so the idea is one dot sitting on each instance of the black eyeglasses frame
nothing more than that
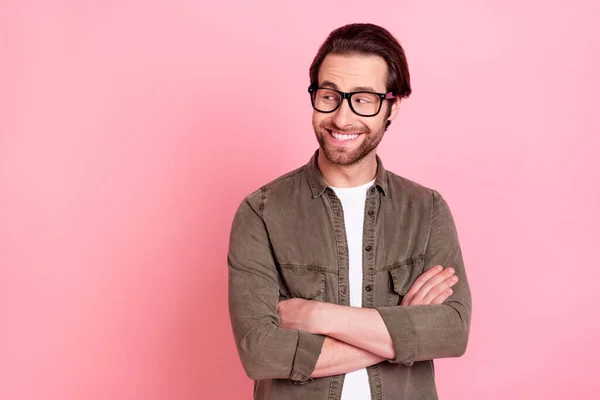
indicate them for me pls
(312, 89)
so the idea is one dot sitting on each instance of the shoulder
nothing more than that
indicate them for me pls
(406, 192)
(401, 186)
(284, 185)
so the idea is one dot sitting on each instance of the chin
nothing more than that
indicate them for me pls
(341, 157)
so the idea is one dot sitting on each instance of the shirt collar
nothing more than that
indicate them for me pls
(318, 185)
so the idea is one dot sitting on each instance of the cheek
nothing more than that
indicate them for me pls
(382, 122)
(317, 119)
(373, 124)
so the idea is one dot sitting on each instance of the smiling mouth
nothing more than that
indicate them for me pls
(343, 136)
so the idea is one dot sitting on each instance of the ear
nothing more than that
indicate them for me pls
(394, 110)
(395, 107)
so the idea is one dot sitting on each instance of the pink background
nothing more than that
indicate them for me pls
(130, 131)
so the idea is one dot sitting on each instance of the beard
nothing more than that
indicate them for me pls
(370, 139)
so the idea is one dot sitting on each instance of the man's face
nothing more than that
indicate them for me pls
(345, 137)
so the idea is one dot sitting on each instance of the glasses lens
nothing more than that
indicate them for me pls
(326, 100)
(365, 103)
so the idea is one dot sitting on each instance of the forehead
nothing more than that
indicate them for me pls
(348, 72)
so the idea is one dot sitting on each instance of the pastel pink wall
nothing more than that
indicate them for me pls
(131, 130)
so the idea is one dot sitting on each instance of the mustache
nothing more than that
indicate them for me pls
(346, 131)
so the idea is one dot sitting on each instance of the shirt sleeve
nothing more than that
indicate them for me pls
(426, 332)
(266, 350)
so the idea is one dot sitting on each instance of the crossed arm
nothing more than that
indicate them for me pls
(298, 339)
(358, 337)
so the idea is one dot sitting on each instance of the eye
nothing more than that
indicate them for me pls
(364, 100)
(328, 95)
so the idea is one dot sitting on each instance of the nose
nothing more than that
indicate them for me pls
(343, 116)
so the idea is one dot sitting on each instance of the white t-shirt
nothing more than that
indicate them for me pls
(356, 384)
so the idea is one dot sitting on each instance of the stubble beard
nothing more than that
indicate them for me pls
(345, 157)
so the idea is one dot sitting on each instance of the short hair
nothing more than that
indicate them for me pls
(367, 39)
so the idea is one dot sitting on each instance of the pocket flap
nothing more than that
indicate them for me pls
(304, 281)
(405, 273)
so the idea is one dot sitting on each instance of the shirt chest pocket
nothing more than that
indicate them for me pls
(302, 281)
(402, 275)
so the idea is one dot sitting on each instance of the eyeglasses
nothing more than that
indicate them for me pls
(365, 104)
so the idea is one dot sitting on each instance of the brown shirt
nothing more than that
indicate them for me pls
(288, 240)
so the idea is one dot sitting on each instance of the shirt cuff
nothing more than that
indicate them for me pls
(403, 333)
(307, 353)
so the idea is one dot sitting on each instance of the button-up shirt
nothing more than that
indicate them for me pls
(288, 240)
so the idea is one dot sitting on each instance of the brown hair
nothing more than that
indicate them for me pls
(368, 39)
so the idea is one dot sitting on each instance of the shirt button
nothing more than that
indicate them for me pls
(369, 288)
(373, 190)
(371, 212)
(368, 248)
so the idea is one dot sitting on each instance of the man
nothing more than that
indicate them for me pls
(346, 280)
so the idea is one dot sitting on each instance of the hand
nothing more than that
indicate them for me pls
(432, 287)
(299, 314)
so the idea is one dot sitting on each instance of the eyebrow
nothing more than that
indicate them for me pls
(332, 85)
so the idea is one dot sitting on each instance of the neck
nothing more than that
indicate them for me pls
(347, 176)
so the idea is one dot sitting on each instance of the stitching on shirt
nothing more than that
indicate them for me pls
(335, 386)
(404, 263)
(264, 188)
(290, 174)
(261, 206)
(311, 182)
(433, 192)
(311, 267)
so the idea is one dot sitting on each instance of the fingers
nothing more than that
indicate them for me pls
(418, 284)
(439, 289)
(442, 297)
(432, 283)
(431, 286)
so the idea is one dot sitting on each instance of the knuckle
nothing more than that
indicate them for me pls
(428, 287)
(453, 280)
(439, 289)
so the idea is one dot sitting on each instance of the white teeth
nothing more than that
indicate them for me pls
(340, 136)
